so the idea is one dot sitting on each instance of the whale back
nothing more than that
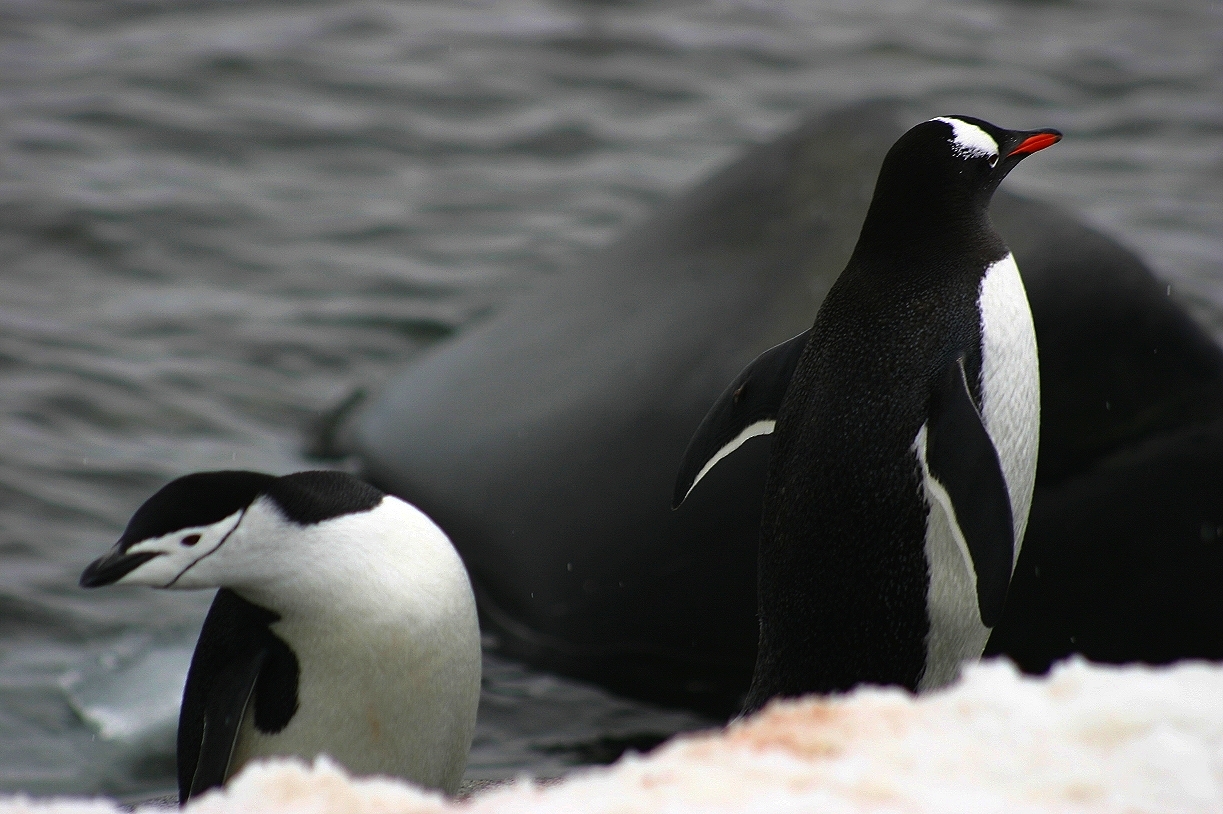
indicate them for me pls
(546, 438)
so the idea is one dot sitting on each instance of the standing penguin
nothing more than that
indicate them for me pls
(906, 423)
(345, 625)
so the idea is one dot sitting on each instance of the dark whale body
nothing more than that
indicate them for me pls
(546, 439)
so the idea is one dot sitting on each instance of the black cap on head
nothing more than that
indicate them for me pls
(193, 500)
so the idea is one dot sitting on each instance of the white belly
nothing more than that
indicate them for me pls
(387, 644)
(1010, 396)
(377, 705)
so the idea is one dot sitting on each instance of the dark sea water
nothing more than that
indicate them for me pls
(219, 218)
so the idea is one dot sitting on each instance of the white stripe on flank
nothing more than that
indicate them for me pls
(750, 431)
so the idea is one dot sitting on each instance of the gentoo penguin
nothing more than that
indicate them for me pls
(344, 624)
(559, 501)
(905, 423)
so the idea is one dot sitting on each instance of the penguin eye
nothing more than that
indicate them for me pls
(190, 539)
(993, 160)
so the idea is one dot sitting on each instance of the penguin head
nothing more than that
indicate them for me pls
(981, 154)
(946, 170)
(220, 529)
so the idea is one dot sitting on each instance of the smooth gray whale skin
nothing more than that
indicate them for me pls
(546, 439)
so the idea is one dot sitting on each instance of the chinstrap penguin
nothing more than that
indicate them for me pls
(905, 425)
(344, 625)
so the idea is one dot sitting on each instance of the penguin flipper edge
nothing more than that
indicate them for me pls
(961, 457)
(223, 713)
(747, 408)
(228, 659)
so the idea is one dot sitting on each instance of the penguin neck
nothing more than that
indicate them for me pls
(904, 224)
(387, 565)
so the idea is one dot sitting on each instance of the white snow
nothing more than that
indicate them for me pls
(1086, 739)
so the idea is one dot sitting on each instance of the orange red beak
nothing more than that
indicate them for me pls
(1037, 142)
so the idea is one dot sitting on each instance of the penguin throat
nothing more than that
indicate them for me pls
(921, 224)
(926, 240)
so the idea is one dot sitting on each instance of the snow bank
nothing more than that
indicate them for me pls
(1086, 739)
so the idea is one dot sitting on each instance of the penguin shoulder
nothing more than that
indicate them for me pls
(389, 564)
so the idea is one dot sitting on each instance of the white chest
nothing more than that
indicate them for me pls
(379, 613)
(378, 702)
(1010, 383)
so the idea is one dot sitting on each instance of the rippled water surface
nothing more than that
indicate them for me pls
(219, 219)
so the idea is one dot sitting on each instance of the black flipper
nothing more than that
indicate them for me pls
(748, 407)
(962, 458)
(223, 711)
(237, 656)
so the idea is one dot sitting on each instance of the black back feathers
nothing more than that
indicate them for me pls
(306, 498)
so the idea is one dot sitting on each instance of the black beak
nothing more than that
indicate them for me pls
(112, 567)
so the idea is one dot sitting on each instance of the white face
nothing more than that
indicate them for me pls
(179, 552)
(252, 549)
(970, 141)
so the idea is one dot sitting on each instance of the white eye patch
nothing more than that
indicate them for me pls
(968, 140)
(180, 550)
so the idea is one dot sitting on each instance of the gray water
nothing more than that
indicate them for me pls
(218, 219)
